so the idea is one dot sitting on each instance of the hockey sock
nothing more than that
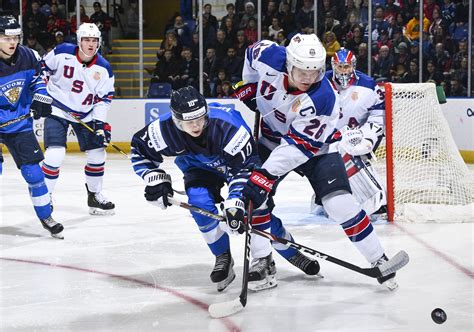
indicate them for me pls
(51, 175)
(362, 234)
(94, 176)
(53, 158)
(38, 190)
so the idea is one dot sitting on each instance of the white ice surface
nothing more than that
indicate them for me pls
(145, 269)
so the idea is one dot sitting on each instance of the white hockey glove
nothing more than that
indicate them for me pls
(357, 142)
(158, 188)
(234, 210)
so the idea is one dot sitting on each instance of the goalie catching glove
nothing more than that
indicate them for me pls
(234, 210)
(41, 106)
(258, 186)
(358, 142)
(158, 188)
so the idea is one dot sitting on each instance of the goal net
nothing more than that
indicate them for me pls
(427, 179)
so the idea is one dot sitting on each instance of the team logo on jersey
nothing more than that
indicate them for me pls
(355, 95)
(12, 90)
(296, 105)
(312, 52)
(96, 76)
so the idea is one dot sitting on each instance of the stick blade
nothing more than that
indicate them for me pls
(224, 309)
(395, 263)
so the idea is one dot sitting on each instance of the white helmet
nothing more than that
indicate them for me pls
(306, 52)
(88, 30)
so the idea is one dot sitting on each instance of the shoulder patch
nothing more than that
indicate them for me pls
(237, 142)
(156, 139)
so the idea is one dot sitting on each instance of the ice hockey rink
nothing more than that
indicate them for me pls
(145, 269)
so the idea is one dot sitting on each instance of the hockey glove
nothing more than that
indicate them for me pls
(258, 186)
(103, 132)
(354, 143)
(158, 188)
(246, 93)
(234, 209)
(41, 106)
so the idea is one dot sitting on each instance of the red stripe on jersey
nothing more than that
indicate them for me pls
(259, 220)
(359, 227)
(351, 171)
(94, 169)
(346, 157)
(305, 144)
(49, 171)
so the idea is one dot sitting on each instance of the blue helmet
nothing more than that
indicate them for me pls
(187, 104)
(9, 26)
(343, 65)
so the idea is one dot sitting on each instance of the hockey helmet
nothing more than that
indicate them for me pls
(9, 26)
(187, 104)
(88, 30)
(343, 65)
(306, 52)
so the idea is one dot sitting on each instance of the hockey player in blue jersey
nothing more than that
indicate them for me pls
(22, 90)
(363, 109)
(300, 111)
(213, 146)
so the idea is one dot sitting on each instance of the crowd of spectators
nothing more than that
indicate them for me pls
(341, 23)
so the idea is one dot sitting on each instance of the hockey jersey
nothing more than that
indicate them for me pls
(19, 81)
(229, 151)
(84, 90)
(361, 102)
(295, 125)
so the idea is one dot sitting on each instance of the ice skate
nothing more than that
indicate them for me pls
(305, 264)
(53, 227)
(223, 272)
(98, 204)
(389, 280)
(262, 274)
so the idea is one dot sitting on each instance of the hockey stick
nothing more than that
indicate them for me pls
(93, 131)
(392, 265)
(18, 119)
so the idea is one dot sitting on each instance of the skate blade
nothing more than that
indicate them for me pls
(58, 236)
(100, 212)
(221, 285)
(259, 285)
(391, 284)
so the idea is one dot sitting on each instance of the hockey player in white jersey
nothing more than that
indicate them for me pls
(81, 84)
(300, 111)
(362, 108)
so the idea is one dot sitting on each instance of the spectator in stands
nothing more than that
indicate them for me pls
(103, 22)
(226, 90)
(364, 12)
(411, 76)
(287, 18)
(251, 31)
(189, 71)
(221, 78)
(35, 13)
(222, 44)
(331, 45)
(209, 34)
(208, 15)
(383, 64)
(378, 23)
(457, 90)
(332, 25)
(441, 59)
(441, 36)
(347, 28)
(412, 31)
(401, 61)
(398, 38)
(436, 21)
(459, 30)
(414, 50)
(355, 39)
(195, 45)
(461, 72)
(84, 19)
(131, 29)
(182, 31)
(31, 27)
(211, 65)
(305, 18)
(249, 13)
(448, 11)
(241, 44)
(59, 37)
(55, 24)
(232, 15)
(32, 43)
(230, 31)
(363, 58)
(431, 73)
(233, 65)
(391, 10)
(428, 7)
(172, 44)
(384, 40)
(167, 70)
(270, 13)
(460, 54)
(281, 38)
(352, 9)
(274, 29)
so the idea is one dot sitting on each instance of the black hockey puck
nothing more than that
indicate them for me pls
(439, 316)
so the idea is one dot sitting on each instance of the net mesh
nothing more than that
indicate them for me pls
(430, 176)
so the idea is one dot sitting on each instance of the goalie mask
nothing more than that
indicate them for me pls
(189, 110)
(88, 30)
(343, 65)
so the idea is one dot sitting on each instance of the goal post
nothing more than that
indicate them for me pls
(427, 179)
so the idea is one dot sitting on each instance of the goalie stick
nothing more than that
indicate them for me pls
(392, 265)
(18, 119)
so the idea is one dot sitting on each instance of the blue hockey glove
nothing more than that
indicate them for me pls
(41, 106)
(258, 186)
(158, 188)
(103, 132)
(234, 209)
